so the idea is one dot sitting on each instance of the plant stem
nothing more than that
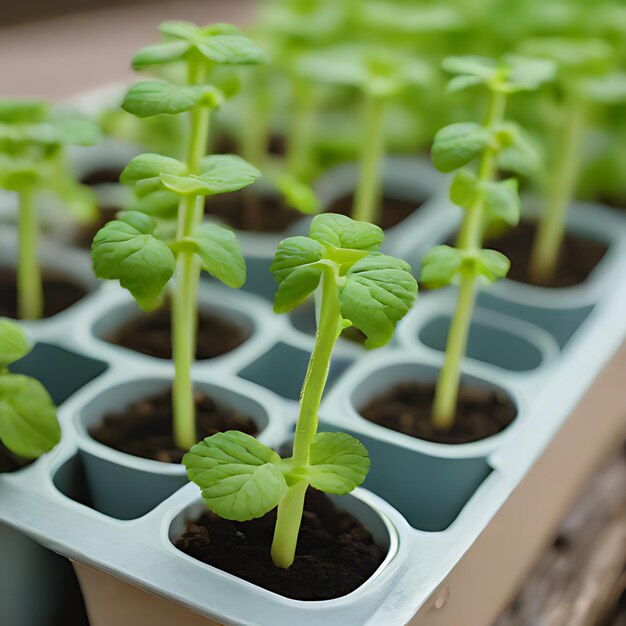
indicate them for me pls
(469, 240)
(300, 130)
(366, 207)
(551, 228)
(185, 297)
(291, 507)
(29, 283)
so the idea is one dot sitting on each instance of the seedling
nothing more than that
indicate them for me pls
(131, 249)
(32, 160)
(379, 75)
(28, 419)
(242, 479)
(494, 143)
(584, 80)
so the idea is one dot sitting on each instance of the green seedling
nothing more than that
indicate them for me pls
(32, 160)
(28, 419)
(142, 257)
(584, 80)
(495, 142)
(241, 478)
(379, 75)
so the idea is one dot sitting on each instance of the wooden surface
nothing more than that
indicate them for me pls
(59, 57)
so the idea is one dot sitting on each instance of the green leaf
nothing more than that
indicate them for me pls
(151, 166)
(458, 144)
(220, 173)
(492, 265)
(460, 83)
(14, 343)
(180, 29)
(502, 200)
(295, 252)
(28, 422)
(573, 56)
(158, 204)
(608, 90)
(338, 231)
(297, 195)
(74, 131)
(464, 189)
(440, 266)
(126, 250)
(520, 155)
(239, 476)
(471, 65)
(232, 50)
(379, 291)
(526, 73)
(338, 463)
(155, 98)
(296, 288)
(220, 253)
(160, 53)
(18, 111)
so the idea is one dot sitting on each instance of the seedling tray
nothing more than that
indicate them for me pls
(460, 523)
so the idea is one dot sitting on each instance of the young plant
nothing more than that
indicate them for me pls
(28, 420)
(242, 479)
(379, 75)
(132, 249)
(584, 80)
(32, 160)
(483, 198)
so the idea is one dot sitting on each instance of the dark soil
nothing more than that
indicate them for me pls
(335, 553)
(407, 408)
(394, 210)
(151, 334)
(102, 176)
(249, 211)
(59, 293)
(9, 462)
(577, 258)
(144, 429)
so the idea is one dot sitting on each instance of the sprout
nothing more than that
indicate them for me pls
(483, 198)
(240, 477)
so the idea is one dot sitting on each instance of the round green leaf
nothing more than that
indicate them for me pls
(14, 343)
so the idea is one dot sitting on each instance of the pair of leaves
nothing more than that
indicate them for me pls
(375, 290)
(511, 74)
(456, 145)
(127, 250)
(217, 43)
(377, 72)
(443, 264)
(150, 98)
(243, 479)
(218, 173)
(28, 422)
(500, 198)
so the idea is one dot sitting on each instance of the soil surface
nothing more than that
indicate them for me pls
(59, 293)
(336, 554)
(249, 211)
(577, 258)
(144, 429)
(394, 210)
(9, 462)
(407, 408)
(151, 334)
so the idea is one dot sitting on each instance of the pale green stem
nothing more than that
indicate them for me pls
(301, 130)
(291, 507)
(185, 297)
(551, 228)
(366, 207)
(469, 240)
(29, 283)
